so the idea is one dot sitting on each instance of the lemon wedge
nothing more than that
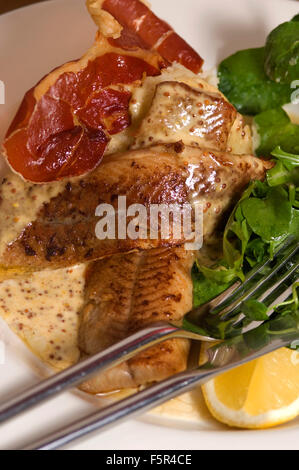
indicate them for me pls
(258, 395)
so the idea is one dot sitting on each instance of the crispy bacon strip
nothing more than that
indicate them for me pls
(140, 22)
(64, 124)
(65, 132)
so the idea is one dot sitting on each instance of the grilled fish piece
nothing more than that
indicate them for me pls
(63, 232)
(179, 105)
(180, 112)
(125, 293)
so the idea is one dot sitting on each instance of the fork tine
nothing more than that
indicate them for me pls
(273, 289)
(274, 296)
(225, 299)
(232, 307)
(238, 288)
(279, 300)
(209, 321)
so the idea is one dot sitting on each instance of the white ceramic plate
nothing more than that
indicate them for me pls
(33, 41)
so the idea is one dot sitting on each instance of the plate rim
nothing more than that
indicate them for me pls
(49, 4)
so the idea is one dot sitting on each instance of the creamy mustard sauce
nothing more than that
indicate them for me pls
(198, 194)
(43, 311)
(20, 204)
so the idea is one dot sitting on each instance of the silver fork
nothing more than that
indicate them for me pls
(286, 259)
(221, 358)
(265, 282)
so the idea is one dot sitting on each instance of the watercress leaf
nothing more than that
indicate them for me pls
(256, 251)
(294, 226)
(237, 228)
(239, 214)
(205, 289)
(276, 129)
(293, 193)
(278, 175)
(260, 189)
(289, 160)
(294, 177)
(233, 255)
(282, 324)
(274, 244)
(242, 79)
(190, 326)
(282, 53)
(219, 275)
(258, 337)
(269, 218)
(232, 250)
(255, 310)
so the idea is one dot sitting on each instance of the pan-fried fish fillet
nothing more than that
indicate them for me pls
(63, 233)
(180, 112)
(179, 105)
(125, 293)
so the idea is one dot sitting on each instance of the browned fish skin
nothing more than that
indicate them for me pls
(125, 293)
(64, 232)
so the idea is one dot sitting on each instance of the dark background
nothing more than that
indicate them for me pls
(8, 5)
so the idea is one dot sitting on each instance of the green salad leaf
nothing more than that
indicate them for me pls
(289, 160)
(257, 82)
(285, 327)
(276, 129)
(269, 217)
(205, 289)
(242, 79)
(278, 175)
(282, 52)
(263, 218)
(255, 310)
(285, 171)
(294, 227)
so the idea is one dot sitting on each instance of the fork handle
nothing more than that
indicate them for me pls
(161, 392)
(129, 407)
(133, 405)
(76, 374)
